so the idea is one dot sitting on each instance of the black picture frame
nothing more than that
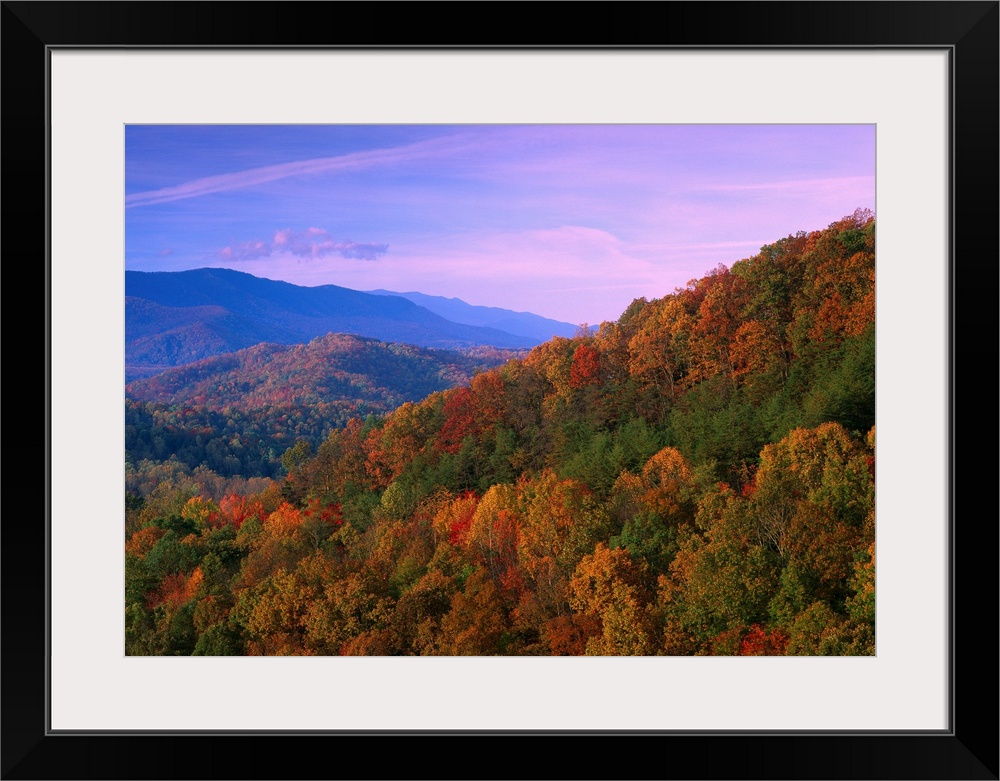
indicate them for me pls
(968, 750)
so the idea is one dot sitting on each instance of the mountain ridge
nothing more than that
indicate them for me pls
(515, 322)
(176, 317)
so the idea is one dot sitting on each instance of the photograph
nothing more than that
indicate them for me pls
(553, 390)
(506, 396)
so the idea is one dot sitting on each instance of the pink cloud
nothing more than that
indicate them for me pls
(826, 185)
(314, 243)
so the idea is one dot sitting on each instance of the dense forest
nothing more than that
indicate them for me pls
(695, 478)
(236, 414)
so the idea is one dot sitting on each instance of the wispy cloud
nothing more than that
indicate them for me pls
(314, 243)
(254, 176)
(663, 247)
(798, 184)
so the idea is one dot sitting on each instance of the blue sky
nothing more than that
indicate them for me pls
(568, 221)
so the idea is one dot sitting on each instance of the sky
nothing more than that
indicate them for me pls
(571, 222)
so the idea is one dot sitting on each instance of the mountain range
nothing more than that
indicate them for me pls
(175, 318)
(519, 323)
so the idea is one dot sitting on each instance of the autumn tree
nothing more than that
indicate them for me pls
(477, 623)
(609, 586)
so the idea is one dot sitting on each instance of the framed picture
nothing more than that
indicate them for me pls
(924, 74)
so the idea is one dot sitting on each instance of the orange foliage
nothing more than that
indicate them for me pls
(142, 542)
(284, 521)
(407, 432)
(568, 635)
(454, 519)
(177, 589)
(754, 349)
(488, 389)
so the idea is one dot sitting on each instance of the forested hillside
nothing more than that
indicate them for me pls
(695, 478)
(236, 414)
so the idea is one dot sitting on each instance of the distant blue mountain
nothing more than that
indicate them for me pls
(519, 323)
(175, 317)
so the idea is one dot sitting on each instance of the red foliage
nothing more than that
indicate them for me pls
(586, 367)
(460, 526)
(328, 513)
(459, 420)
(237, 509)
(512, 584)
(758, 642)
